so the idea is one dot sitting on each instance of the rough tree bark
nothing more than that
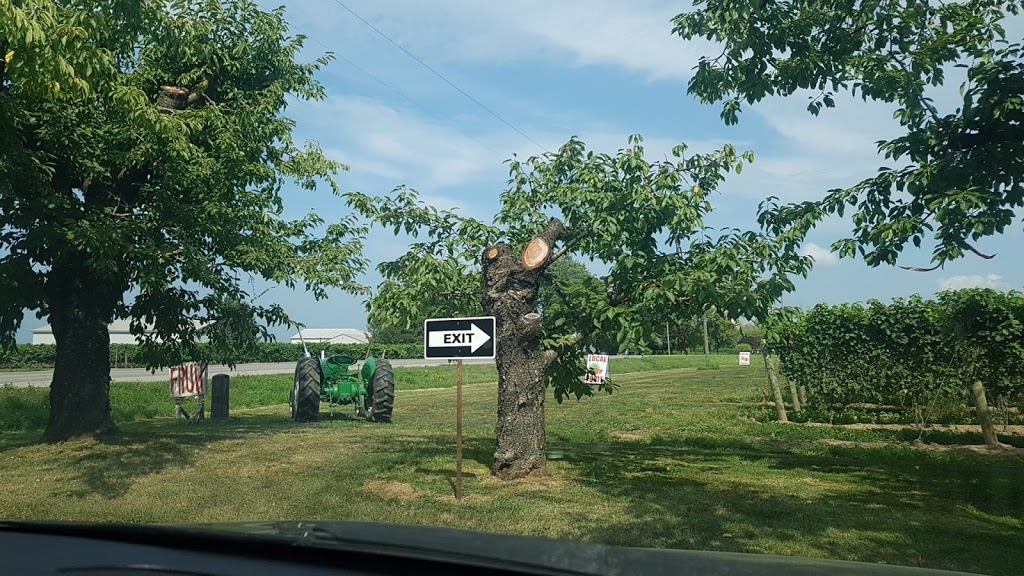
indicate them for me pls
(773, 380)
(511, 282)
(795, 396)
(984, 416)
(80, 308)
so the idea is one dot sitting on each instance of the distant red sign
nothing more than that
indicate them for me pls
(188, 380)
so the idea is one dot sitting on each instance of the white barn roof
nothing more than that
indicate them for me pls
(332, 335)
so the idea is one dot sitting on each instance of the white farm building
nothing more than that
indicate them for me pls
(331, 336)
(119, 330)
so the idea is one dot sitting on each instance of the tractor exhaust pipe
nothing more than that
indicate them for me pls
(303, 340)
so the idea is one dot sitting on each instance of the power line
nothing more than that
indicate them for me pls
(396, 91)
(439, 75)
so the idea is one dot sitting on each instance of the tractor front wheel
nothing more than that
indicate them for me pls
(381, 395)
(305, 395)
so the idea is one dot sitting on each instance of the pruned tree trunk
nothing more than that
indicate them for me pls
(984, 416)
(795, 396)
(773, 380)
(80, 308)
(511, 282)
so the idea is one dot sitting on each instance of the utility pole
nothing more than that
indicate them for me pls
(668, 340)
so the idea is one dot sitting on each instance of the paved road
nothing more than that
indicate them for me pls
(42, 378)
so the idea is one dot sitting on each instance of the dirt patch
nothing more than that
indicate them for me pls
(632, 435)
(1003, 449)
(851, 444)
(391, 490)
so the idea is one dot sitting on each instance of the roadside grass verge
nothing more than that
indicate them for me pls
(669, 460)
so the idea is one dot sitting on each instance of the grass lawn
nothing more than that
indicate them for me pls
(27, 408)
(670, 460)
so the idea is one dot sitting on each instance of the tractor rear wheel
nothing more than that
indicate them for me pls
(381, 395)
(306, 390)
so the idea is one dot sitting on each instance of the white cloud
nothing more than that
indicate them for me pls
(634, 35)
(822, 256)
(404, 147)
(994, 281)
(376, 139)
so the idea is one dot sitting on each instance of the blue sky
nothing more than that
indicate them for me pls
(598, 69)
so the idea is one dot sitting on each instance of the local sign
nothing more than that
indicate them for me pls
(744, 358)
(454, 338)
(597, 368)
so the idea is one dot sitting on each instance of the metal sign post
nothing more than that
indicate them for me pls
(455, 339)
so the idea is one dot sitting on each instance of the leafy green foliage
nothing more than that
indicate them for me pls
(910, 352)
(619, 209)
(958, 175)
(105, 190)
(986, 338)
(67, 50)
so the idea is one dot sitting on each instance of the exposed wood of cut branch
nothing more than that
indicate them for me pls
(536, 253)
(172, 98)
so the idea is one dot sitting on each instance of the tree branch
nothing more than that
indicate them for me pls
(916, 269)
(975, 250)
(550, 356)
(565, 248)
(532, 326)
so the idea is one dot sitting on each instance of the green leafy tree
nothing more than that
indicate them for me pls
(158, 175)
(958, 173)
(393, 320)
(985, 332)
(620, 209)
(382, 333)
(568, 293)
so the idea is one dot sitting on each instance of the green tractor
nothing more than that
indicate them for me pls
(332, 380)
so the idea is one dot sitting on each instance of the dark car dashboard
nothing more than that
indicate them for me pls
(333, 548)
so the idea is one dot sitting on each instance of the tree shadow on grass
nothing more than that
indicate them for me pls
(18, 439)
(150, 447)
(877, 505)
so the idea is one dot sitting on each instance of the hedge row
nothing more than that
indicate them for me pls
(127, 355)
(910, 352)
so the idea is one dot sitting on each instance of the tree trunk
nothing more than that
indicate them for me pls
(803, 394)
(795, 396)
(773, 380)
(80, 308)
(510, 294)
(984, 416)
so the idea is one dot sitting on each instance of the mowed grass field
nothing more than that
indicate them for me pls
(672, 459)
